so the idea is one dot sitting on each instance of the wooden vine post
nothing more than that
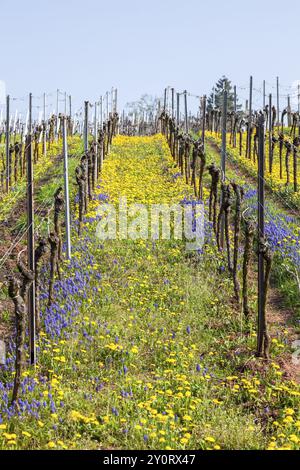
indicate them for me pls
(223, 159)
(7, 138)
(261, 233)
(66, 188)
(248, 151)
(30, 235)
(264, 254)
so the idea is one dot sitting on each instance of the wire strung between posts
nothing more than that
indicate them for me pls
(5, 257)
(41, 208)
(280, 197)
(38, 212)
(284, 202)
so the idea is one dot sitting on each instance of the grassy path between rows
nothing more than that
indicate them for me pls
(143, 348)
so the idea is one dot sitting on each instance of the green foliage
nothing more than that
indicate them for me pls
(215, 99)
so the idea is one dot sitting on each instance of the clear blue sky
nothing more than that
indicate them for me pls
(87, 46)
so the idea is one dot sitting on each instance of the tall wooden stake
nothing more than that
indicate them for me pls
(66, 183)
(177, 108)
(96, 142)
(250, 117)
(30, 235)
(86, 125)
(165, 99)
(277, 93)
(45, 126)
(70, 106)
(186, 127)
(270, 133)
(203, 119)
(261, 231)
(223, 158)
(289, 111)
(57, 111)
(7, 142)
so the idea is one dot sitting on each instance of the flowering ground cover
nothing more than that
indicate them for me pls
(142, 347)
(282, 231)
(273, 180)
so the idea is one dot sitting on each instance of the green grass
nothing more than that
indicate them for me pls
(156, 355)
(281, 278)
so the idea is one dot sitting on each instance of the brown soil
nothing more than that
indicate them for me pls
(9, 235)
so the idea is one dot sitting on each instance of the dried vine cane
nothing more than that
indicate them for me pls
(54, 243)
(281, 144)
(202, 156)
(51, 131)
(81, 195)
(289, 148)
(100, 149)
(17, 149)
(274, 116)
(187, 147)
(264, 345)
(18, 291)
(24, 158)
(58, 207)
(40, 251)
(170, 132)
(255, 147)
(104, 130)
(213, 196)
(249, 230)
(247, 141)
(239, 193)
(181, 153)
(231, 116)
(274, 142)
(296, 143)
(193, 165)
(284, 112)
(108, 136)
(84, 173)
(93, 151)
(295, 118)
(36, 144)
(224, 211)
(234, 130)
(241, 137)
(174, 140)
(11, 151)
(90, 174)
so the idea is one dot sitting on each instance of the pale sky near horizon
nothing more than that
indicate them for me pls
(86, 47)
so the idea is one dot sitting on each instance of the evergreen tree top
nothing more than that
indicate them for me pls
(215, 99)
